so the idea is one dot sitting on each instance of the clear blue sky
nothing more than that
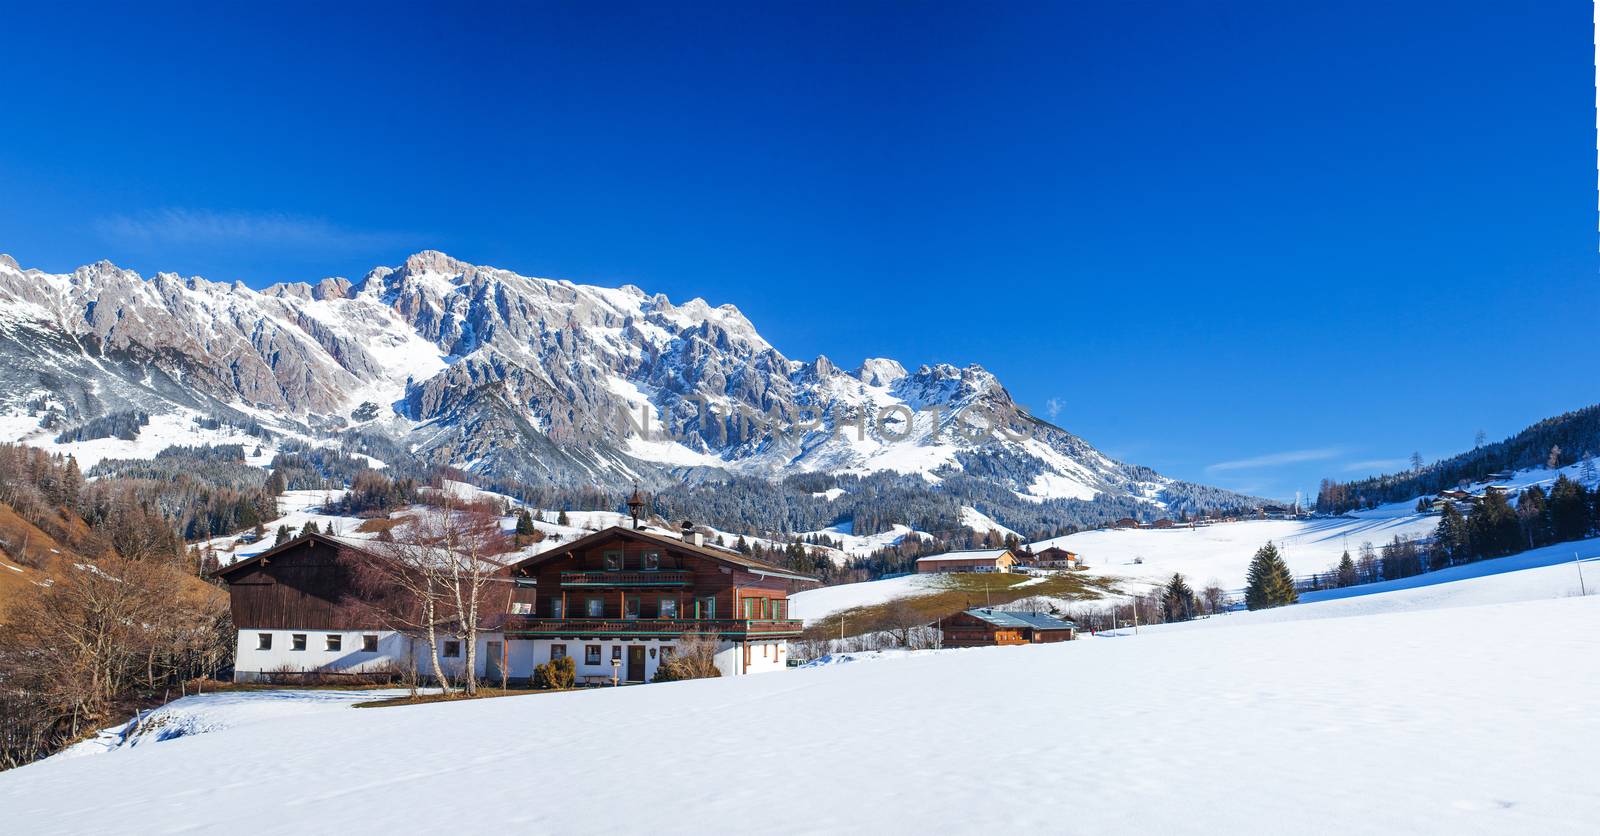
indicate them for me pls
(1247, 244)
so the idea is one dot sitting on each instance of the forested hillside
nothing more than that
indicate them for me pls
(1553, 442)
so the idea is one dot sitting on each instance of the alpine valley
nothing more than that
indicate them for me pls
(530, 384)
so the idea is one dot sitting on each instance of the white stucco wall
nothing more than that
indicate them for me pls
(397, 651)
(539, 651)
(250, 661)
(766, 656)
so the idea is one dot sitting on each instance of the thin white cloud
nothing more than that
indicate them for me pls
(204, 227)
(1052, 407)
(1276, 459)
(1377, 465)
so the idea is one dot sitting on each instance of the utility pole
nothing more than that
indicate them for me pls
(1136, 615)
(1578, 562)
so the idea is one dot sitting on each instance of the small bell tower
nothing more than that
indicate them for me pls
(635, 505)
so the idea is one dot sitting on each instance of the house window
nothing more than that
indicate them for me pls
(613, 561)
(452, 649)
(630, 608)
(558, 651)
(297, 641)
(616, 653)
(594, 607)
(669, 608)
(652, 561)
(335, 642)
(555, 607)
(263, 641)
(780, 609)
(369, 643)
(705, 607)
(591, 654)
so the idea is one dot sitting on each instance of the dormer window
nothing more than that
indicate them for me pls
(652, 561)
(613, 561)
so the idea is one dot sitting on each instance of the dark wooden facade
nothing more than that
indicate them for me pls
(301, 584)
(617, 582)
(624, 582)
(974, 629)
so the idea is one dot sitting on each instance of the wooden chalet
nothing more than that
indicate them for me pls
(989, 627)
(1056, 557)
(982, 560)
(642, 589)
(622, 594)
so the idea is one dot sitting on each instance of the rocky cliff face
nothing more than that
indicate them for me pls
(520, 378)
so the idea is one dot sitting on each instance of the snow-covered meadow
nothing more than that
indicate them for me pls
(1464, 709)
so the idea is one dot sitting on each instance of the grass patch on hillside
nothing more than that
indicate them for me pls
(954, 593)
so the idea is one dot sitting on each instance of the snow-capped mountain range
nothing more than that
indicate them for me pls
(520, 378)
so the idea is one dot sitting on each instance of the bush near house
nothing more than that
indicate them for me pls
(694, 658)
(556, 674)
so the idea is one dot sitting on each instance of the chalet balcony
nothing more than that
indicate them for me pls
(640, 578)
(732, 628)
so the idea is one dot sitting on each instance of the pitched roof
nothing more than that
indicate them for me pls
(261, 556)
(717, 553)
(1034, 619)
(364, 546)
(976, 555)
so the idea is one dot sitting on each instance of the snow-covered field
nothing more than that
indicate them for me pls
(812, 604)
(212, 713)
(1222, 551)
(1456, 720)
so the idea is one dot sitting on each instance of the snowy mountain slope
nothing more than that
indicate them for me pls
(1222, 551)
(1380, 723)
(527, 379)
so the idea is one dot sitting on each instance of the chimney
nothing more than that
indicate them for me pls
(692, 537)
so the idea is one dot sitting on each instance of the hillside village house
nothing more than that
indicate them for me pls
(1056, 557)
(618, 594)
(984, 560)
(990, 627)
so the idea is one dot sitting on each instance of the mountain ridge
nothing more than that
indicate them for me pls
(530, 380)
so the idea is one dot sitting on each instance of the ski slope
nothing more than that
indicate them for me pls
(1385, 722)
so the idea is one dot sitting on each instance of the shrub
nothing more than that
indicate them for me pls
(695, 658)
(556, 674)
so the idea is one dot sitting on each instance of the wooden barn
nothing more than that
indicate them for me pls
(989, 627)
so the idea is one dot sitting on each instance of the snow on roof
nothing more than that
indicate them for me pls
(1035, 619)
(976, 555)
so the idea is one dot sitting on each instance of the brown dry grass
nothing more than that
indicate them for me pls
(377, 524)
(961, 592)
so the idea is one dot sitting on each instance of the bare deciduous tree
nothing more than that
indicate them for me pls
(431, 578)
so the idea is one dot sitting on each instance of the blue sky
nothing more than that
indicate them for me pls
(1250, 244)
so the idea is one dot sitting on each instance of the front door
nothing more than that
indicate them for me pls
(635, 663)
(491, 664)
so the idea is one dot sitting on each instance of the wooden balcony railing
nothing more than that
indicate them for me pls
(628, 578)
(727, 627)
